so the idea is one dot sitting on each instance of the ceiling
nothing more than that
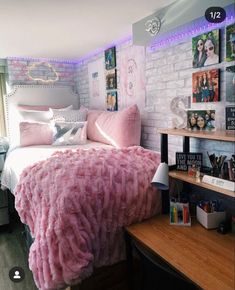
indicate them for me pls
(67, 29)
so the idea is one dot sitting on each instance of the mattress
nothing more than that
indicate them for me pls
(19, 158)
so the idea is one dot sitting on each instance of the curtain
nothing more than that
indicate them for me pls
(2, 93)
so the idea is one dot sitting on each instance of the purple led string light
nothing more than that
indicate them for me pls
(185, 31)
(19, 58)
(100, 50)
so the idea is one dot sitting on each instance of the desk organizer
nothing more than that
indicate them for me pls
(210, 220)
(179, 214)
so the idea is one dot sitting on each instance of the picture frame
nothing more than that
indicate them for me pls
(110, 58)
(201, 120)
(206, 49)
(230, 117)
(230, 42)
(186, 160)
(112, 101)
(230, 83)
(111, 80)
(206, 86)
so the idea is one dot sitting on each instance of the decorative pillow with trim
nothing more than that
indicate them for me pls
(70, 133)
(70, 116)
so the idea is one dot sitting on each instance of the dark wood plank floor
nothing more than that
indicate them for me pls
(13, 253)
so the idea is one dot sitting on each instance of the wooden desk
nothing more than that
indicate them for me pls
(204, 256)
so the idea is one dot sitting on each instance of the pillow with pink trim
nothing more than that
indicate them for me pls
(120, 129)
(35, 134)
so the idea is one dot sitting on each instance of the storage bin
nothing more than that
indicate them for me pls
(210, 220)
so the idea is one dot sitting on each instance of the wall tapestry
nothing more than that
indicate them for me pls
(205, 86)
(132, 77)
(206, 49)
(97, 84)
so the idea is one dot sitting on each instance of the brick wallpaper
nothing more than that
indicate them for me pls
(18, 73)
(168, 74)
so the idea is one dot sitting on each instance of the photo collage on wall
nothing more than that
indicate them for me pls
(111, 79)
(206, 82)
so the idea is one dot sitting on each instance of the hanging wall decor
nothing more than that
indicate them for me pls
(230, 83)
(230, 117)
(110, 58)
(111, 101)
(111, 81)
(230, 42)
(206, 49)
(43, 72)
(205, 86)
(96, 76)
(132, 76)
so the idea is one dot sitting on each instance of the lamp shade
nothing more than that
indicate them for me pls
(161, 177)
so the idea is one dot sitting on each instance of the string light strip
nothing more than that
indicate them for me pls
(189, 30)
(181, 33)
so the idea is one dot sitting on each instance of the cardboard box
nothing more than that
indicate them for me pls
(210, 220)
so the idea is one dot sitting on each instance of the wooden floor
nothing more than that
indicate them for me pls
(13, 253)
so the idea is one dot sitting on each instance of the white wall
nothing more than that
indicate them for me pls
(168, 74)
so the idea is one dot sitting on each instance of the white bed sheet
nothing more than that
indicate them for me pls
(19, 158)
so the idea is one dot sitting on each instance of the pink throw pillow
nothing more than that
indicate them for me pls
(35, 134)
(120, 129)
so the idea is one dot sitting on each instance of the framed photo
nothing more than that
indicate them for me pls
(110, 58)
(230, 83)
(111, 80)
(205, 85)
(206, 49)
(230, 117)
(111, 101)
(230, 42)
(201, 120)
(186, 160)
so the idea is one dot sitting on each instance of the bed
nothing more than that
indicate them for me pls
(75, 199)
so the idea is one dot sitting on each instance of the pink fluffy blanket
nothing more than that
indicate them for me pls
(76, 204)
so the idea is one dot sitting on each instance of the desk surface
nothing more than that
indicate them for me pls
(204, 256)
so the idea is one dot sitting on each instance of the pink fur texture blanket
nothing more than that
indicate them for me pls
(76, 204)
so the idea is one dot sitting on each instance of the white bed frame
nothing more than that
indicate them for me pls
(34, 95)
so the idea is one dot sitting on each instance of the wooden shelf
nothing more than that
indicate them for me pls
(219, 135)
(181, 175)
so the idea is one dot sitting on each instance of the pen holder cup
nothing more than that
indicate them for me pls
(210, 220)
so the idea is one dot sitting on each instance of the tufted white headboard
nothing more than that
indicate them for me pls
(34, 95)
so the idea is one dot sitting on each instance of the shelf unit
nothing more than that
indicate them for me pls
(219, 135)
(181, 175)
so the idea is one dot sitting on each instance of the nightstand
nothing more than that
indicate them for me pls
(4, 214)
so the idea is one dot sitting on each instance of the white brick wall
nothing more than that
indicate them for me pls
(169, 74)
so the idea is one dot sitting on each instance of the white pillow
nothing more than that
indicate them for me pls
(61, 109)
(35, 116)
(70, 133)
(70, 116)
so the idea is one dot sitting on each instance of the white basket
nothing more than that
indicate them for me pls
(210, 220)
